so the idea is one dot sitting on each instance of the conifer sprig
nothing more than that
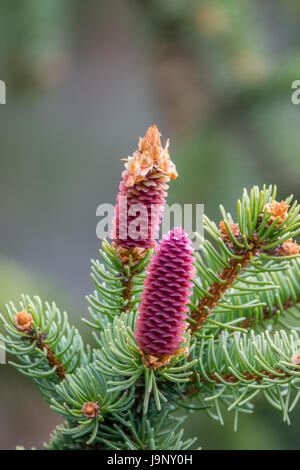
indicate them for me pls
(261, 240)
(212, 351)
(232, 370)
(47, 348)
(84, 400)
(118, 285)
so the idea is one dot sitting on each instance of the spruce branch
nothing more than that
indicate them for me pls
(262, 239)
(62, 441)
(84, 400)
(152, 432)
(278, 293)
(52, 360)
(118, 285)
(219, 287)
(272, 313)
(44, 343)
(236, 367)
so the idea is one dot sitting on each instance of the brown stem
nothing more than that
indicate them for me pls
(231, 378)
(53, 361)
(127, 294)
(217, 289)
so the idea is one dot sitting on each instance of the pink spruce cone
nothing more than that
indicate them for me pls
(144, 186)
(160, 324)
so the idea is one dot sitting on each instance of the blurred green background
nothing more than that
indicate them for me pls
(84, 80)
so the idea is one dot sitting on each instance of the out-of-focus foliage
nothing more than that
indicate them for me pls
(225, 73)
(34, 42)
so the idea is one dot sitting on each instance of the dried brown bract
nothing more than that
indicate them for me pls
(296, 359)
(155, 362)
(278, 209)
(136, 253)
(225, 235)
(150, 154)
(287, 248)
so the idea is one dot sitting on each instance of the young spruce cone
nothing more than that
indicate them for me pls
(142, 194)
(160, 324)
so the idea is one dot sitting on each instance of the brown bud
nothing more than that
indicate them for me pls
(296, 359)
(278, 209)
(90, 409)
(137, 253)
(23, 321)
(155, 362)
(287, 248)
(233, 227)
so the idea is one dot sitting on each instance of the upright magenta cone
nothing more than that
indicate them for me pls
(142, 193)
(160, 324)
